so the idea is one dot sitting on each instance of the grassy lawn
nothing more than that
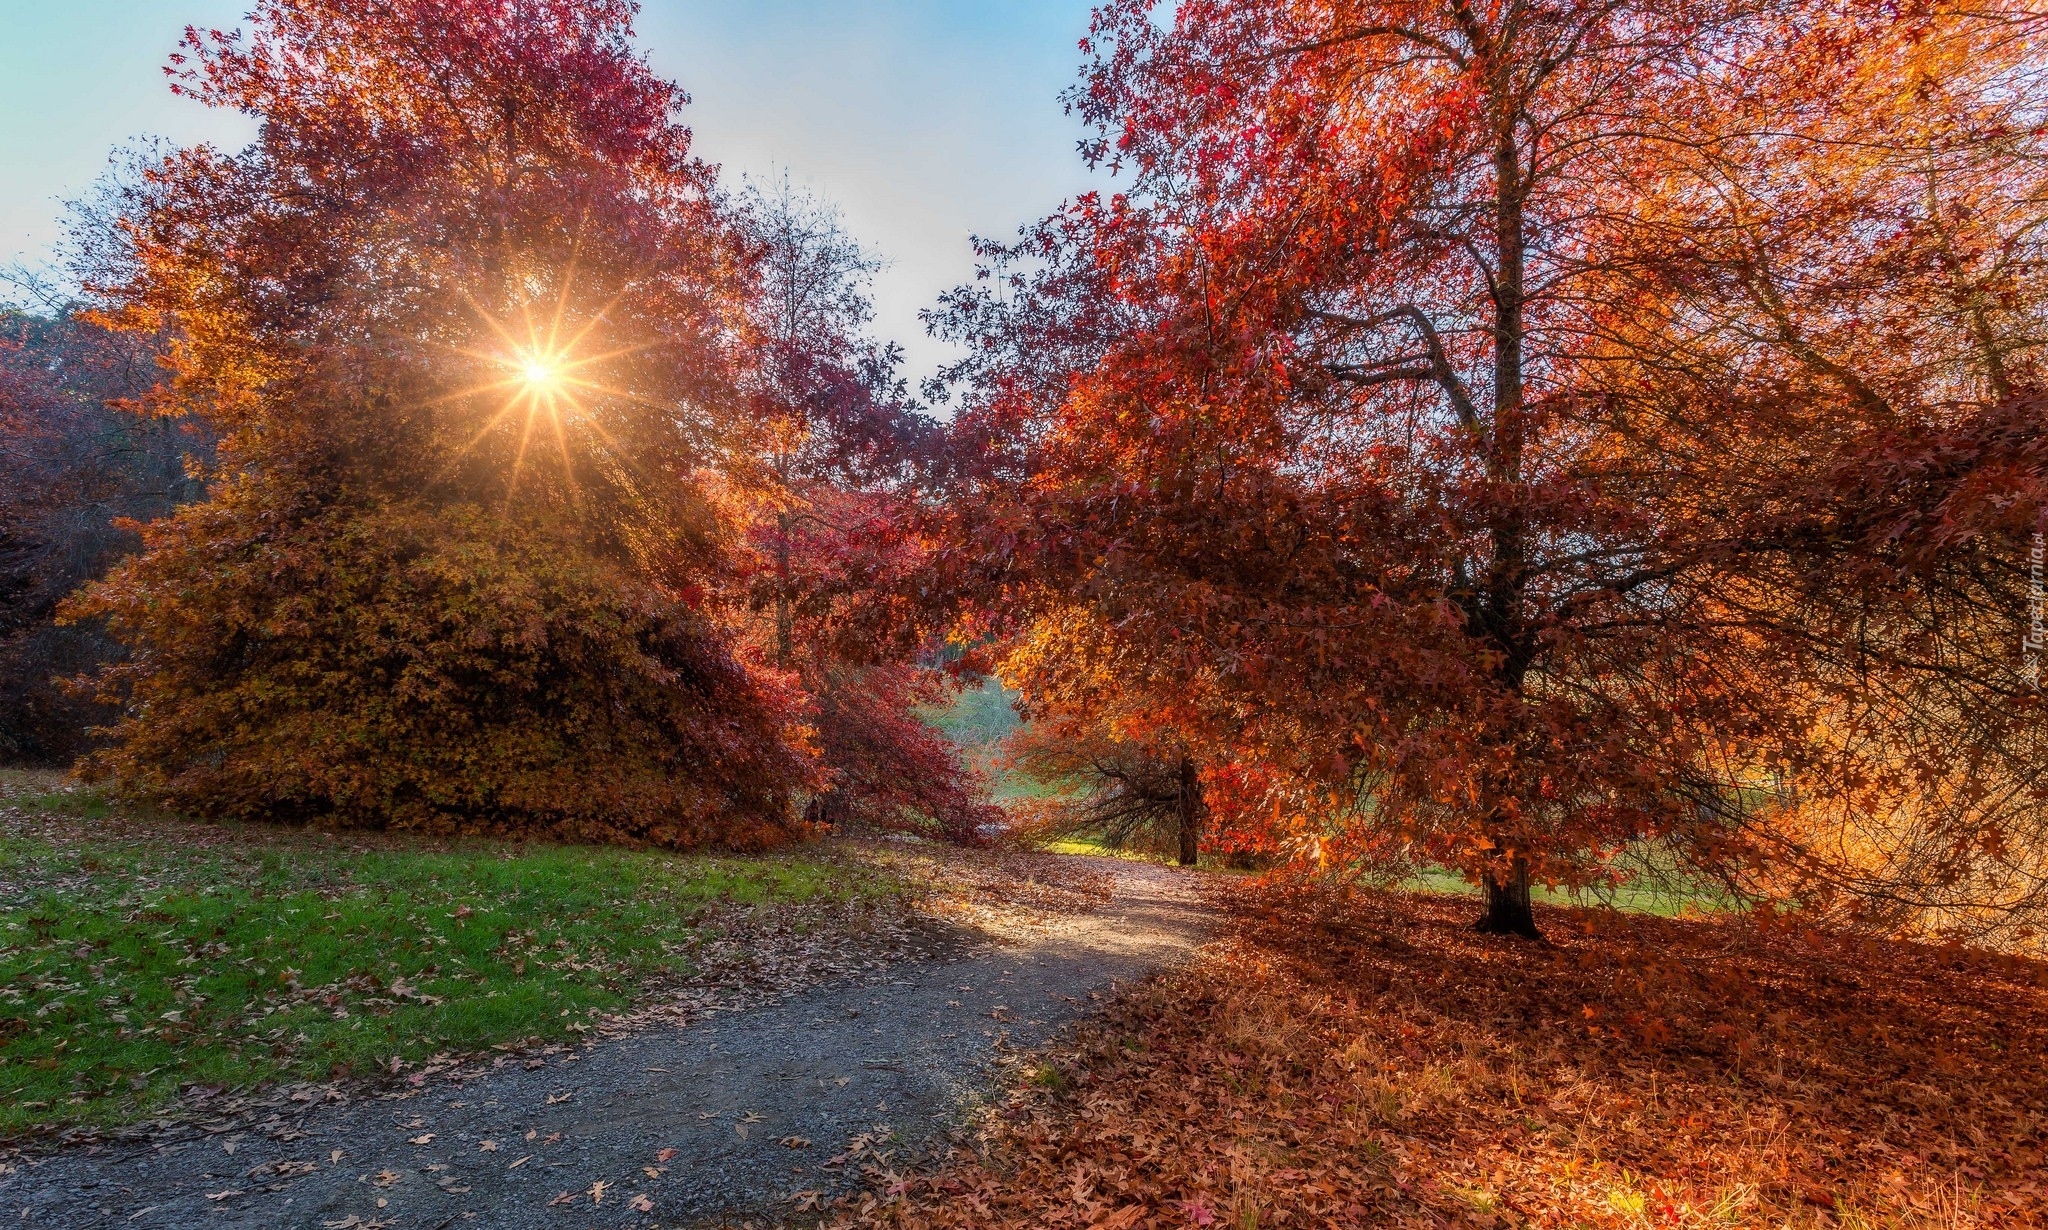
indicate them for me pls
(1094, 844)
(1637, 896)
(139, 958)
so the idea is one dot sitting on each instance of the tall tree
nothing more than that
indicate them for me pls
(837, 496)
(473, 328)
(1348, 420)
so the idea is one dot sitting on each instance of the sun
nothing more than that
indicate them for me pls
(549, 380)
(539, 373)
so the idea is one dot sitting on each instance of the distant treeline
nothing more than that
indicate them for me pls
(75, 467)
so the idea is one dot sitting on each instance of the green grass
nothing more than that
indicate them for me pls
(1637, 897)
(133, 966)
(1095, 844)
(1087, 843)
(978, 719)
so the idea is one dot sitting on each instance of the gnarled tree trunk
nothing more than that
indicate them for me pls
(1190, 805)
(1508, 911)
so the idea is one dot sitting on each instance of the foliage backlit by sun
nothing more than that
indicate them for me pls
(546, 377)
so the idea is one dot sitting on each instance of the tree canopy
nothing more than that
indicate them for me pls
(477, 334)
(1523, 436)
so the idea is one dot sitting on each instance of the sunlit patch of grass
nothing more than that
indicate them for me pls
(132, 967)
(1640, 896)
(1087, 843)
(1093, 844)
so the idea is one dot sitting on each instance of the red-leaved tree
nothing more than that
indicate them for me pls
(1457, 424)
(836, 499)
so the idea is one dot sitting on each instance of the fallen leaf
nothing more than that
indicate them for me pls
(226, 1195)
(564, 1198)
(664, 1155)
(641, 1204)
(597, 1191)
(487, 1146)
(794, 1142)
(521, 1162)
(424, 1138)
(559, 1097)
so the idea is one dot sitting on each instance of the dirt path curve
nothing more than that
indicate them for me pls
(680, 1126)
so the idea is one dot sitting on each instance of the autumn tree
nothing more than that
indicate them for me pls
(835, 526)
(1116, 771)
(1428, 424)
(473, 329)
(1840, 354)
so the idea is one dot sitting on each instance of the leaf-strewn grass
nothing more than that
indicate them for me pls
(134, 963)
(1664, 895)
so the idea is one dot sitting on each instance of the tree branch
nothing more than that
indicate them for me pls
(1439, 363)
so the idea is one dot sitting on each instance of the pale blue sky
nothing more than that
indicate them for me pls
(926, 120)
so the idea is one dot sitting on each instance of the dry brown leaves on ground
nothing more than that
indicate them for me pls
(1001, 890)
(1375, 1063)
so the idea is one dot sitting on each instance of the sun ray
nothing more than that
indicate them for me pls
(519, 459)
(568, 279)
(568, 462)
(541, 368)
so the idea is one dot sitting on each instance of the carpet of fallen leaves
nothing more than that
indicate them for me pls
(999, 890)
(1369, 1061)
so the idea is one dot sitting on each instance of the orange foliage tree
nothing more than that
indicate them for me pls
(1459, 428)
(473, 328)
(1119, 773)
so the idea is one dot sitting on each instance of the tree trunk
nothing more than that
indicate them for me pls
(1190, 805)
(1500, 606)
(1508, 911)
(785, 616)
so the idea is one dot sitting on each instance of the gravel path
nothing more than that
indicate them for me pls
(667, 1127)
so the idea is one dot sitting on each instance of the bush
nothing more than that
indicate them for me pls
(433, 669)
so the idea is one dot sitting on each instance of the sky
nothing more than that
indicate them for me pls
(926, 121)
